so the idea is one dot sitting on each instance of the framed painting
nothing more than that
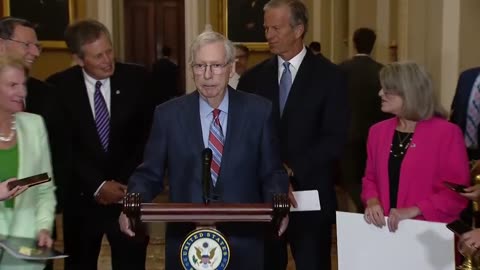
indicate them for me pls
(51, 18)
(243, 23)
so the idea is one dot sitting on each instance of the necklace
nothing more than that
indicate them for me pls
(401, 141)
(400, 149)
(9, 137)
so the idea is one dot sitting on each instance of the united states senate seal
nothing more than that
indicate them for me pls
(205, 249)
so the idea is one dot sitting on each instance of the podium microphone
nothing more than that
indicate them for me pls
(206, 174)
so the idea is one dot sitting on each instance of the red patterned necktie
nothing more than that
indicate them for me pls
(215, 142)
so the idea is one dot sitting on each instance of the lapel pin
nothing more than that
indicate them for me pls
(117, 92)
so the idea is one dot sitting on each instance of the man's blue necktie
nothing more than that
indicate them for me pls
(285, 85)
(102, 117)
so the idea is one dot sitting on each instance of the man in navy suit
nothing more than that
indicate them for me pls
(464, 109)
(107, 111)
(309, 100)
(363, 84)
(249, 170)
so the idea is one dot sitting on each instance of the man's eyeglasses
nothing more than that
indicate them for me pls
(217, 69)
(27, 45)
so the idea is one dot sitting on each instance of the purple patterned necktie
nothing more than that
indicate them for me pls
(102, 118)
(215, 142)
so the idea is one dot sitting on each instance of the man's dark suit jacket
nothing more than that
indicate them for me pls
(363, 85)
(164, 79)
(460, 103)
(313, 128)
(130, 114)
(41, 100)
(89, 165)
(250, 172)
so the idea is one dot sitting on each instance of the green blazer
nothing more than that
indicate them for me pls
(35, 208)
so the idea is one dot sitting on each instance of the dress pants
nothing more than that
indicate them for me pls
(310, 242)
(84, 227)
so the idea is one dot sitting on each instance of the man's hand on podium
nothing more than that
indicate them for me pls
(283, 225)
(111, 192)
(125, 225)
(469, 244)
(291, 197)
(472, 193)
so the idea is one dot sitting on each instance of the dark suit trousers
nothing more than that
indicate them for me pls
(85, 224)
(352, 169)
(310, 242)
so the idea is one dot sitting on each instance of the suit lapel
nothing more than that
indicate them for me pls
(84, 110)
(270, 89)
(115, 102)
(191, 124)
(235, 123)
(301, 80)
(468, 85)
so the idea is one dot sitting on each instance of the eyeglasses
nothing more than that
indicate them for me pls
(217, 69)
(27, 45)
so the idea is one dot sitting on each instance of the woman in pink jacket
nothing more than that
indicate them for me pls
(412, 154)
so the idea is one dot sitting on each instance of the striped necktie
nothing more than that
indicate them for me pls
(215, 142)
(473, 118)
(102, 117)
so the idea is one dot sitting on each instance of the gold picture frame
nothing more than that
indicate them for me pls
(43, 18)
(236, 34)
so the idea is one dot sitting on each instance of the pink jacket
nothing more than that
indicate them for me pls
(437, 153)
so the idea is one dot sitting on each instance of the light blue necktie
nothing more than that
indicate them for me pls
(285, 85)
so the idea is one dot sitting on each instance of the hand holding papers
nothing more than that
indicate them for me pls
(27, 249)
(307, 200)
(29, 181)
(415, 245)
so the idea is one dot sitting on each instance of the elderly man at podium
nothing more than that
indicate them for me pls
(246, 166)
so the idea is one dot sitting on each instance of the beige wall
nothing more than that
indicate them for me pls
(440, 34)
(54, 60)
(361, 13)
(469, 34)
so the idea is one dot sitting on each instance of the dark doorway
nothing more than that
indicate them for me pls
(149, 26)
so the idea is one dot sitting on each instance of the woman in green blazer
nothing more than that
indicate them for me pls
(24, 152)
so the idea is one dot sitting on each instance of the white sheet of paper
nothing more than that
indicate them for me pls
(307, 200)
(416, 244)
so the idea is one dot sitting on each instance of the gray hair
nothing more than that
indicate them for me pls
(298, 12)
(84, 32)
(8, 24)
(413, 83)
(209, 37)
(13, 61)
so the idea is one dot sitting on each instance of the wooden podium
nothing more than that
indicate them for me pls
(205, 247)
